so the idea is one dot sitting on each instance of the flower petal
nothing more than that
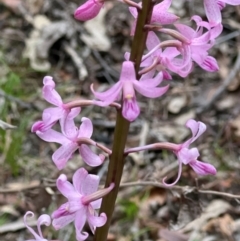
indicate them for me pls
(153, 82)
(96, 221)
(150, 92)
(36, 236)
(197, 128)
(178, 176)
(185, 30)
(78, 177)
(89, 157)
(90, 184)
(110, 95)
(61, 222)
(202, 168)
(88, 10)
(65, 187)
(43, 219)
(63, 210)
(161, 15)
(49, 93)
(80, 221)
(213, 12)
(208, 63)
(86, 128)
(186, 155)
(232, 2)
(63, 154)
(52, 136)
(152, 41)
(130, 109)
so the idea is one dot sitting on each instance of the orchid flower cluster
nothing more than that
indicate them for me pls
(186, 46)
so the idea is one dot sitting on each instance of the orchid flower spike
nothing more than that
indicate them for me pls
(160, 14)
(83, 199)
(189, 156)
(51, 115)
(43, 219)
(213, 9)
(128, 84)
(88, 10)
(72, 139)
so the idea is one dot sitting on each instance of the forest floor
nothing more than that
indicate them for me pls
(40, 38)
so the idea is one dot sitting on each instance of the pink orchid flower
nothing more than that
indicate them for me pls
(160, 14)
(188, 156)
(200, 42)
(88, 10)
(83, 199)
(167, 59)
(72, 139)
(43, 219)
(213, 9)
(51, 115)
(128, 84)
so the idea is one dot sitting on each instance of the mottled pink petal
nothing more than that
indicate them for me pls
(65, 187)
(61, 222)
(161, 15)
(96, 204)
(63, 154)
(197, 128)
(133, 11)
(151, 83)
(149, 92)
(90, 184)
(203, 39)
(49, 92)
(88, 10)
(68, 128)
(74, 113)
(221, 5)
(152, 41)
(89, 157)
(178, 176)
(216, 31)
(79, 224)
(186, 155)
(213, 12)
(166, 75)
(52, 136)
(97, 221)
(232, 2)
(202, 168)
(78, 178)
(36, 236)
(63, 210)
(148, 75)
(43, 219)
(130, 109)
(110, 95)
(185, 30)
(86, 128)
(208, 63)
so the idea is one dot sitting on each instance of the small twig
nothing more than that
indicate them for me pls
(108, 70)
(222, 88)
(186, 189)
(77, 60)
(14, 99)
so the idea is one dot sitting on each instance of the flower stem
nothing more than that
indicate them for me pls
(116, 163)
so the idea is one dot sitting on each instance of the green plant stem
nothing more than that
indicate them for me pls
(116, 163)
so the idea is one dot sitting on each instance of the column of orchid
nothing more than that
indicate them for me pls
(140, 73)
